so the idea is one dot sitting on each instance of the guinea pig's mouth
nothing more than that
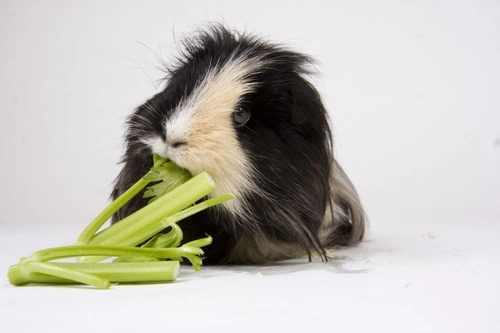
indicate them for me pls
(168, 150)
(172, 155)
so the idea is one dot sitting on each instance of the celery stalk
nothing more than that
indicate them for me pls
(156, 227)
(122, 232)
(160, 271)
(173, 198)
(18, 274)
(173, 238)
(198, 208)
(176, 253)
(98, 222)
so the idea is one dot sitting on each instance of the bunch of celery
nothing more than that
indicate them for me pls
(173, 196)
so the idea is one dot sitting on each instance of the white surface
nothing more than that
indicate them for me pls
(413, 89)
(422, 278)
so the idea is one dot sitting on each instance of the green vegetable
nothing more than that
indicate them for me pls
(136, 227)
(190, 251)
(173, 197)
(169, 177)
(119, 202)
(39, 272)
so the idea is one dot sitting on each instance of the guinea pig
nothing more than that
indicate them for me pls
(242, 109)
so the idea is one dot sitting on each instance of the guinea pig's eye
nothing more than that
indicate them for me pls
(241, 115)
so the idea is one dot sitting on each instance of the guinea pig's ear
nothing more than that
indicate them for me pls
(308, 113)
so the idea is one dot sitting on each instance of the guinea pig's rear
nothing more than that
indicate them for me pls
(242, 109)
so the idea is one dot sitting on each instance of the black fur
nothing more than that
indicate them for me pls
(289, 142)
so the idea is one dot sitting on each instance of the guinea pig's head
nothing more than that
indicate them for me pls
(241, 109)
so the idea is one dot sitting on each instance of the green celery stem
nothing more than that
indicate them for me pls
(112, 208)
(160, 271)
(198, 208)
(156, 227)
(22, 274)
(108, 251)
(122, 233)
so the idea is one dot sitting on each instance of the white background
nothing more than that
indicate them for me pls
(413, 90)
